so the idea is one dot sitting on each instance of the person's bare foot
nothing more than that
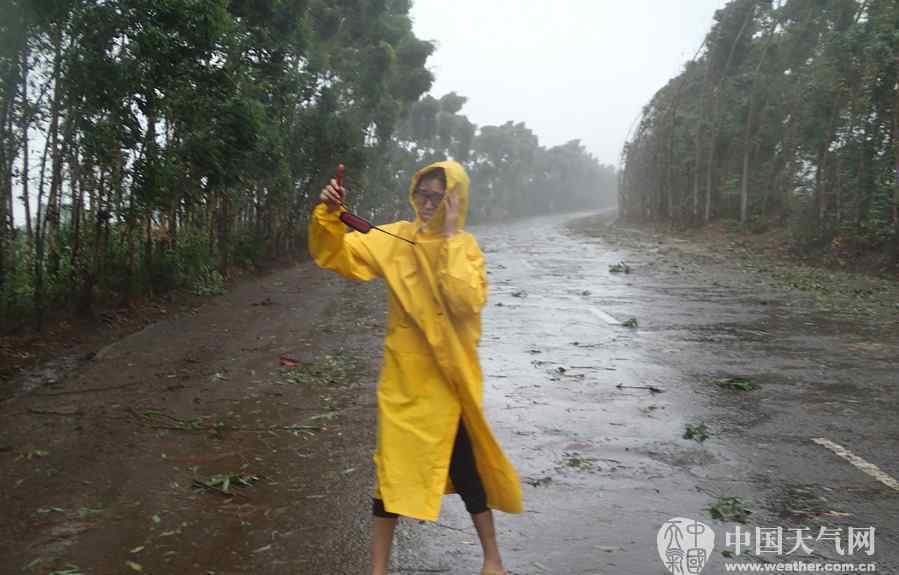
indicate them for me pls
(493, 563)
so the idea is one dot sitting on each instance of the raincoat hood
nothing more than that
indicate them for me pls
(457, 183)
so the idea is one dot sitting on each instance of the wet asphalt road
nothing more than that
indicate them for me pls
(604, 467)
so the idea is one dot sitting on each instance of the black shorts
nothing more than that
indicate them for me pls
(464, 475)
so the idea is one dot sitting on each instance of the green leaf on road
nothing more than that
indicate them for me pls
(729, 509)
(697, 432)
(736, 383)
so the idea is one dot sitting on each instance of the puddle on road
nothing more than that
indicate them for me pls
(45, 375)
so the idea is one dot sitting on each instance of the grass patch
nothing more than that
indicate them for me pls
(736, 383)
(729, 509)
(577, 461)
(697, 432)
(326, 370)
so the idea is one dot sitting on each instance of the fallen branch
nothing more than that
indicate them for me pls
(222, 492)
(88, 390)
(451, 527)
(651, 388)
(51, 412)
(277, 428)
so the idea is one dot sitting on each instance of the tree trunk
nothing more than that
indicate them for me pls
(10, 203)
(717, 110)
(668, 185)
(257, 213)
(821, 165)
(6, 158)
(151, 159)
(100, 210)
(173, 223)
(51, 218)
(709, 173)
(5, 181)
(25, 152)
(77, 209)
(211, 211)
(39, 245)
(837, 191)
(859, 187)
(744, 183)
(699, 141)
(820, 158)
(224, 233)
(747, 135)
(130, 223)
(40, 221)
(896, 159)
(669, 178)
(148, 244)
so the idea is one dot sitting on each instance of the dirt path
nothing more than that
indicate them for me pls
(98, 470)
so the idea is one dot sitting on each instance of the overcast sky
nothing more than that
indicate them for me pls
(567, 68)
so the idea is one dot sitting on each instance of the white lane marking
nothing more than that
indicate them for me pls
(603, 315)
(869, 468)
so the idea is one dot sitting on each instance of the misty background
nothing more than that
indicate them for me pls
(569, 69)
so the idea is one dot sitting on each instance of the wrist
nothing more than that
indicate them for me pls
(323, 210)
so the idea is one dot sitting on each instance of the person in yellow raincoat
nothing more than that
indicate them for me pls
(432, 436)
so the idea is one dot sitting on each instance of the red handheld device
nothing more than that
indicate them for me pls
(354, 221)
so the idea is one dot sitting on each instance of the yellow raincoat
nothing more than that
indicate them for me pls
(431, 374)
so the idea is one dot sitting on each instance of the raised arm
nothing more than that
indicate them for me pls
(333, 248)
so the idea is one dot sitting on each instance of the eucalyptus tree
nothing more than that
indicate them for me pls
(787, 114)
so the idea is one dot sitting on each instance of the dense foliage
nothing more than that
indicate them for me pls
(789, 113)
(163, 141)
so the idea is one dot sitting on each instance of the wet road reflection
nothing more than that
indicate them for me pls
(602, 457)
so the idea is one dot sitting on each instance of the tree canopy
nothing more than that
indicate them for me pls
(788, 113)
(154, 144)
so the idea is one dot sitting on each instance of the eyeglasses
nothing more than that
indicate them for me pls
(424, 196)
